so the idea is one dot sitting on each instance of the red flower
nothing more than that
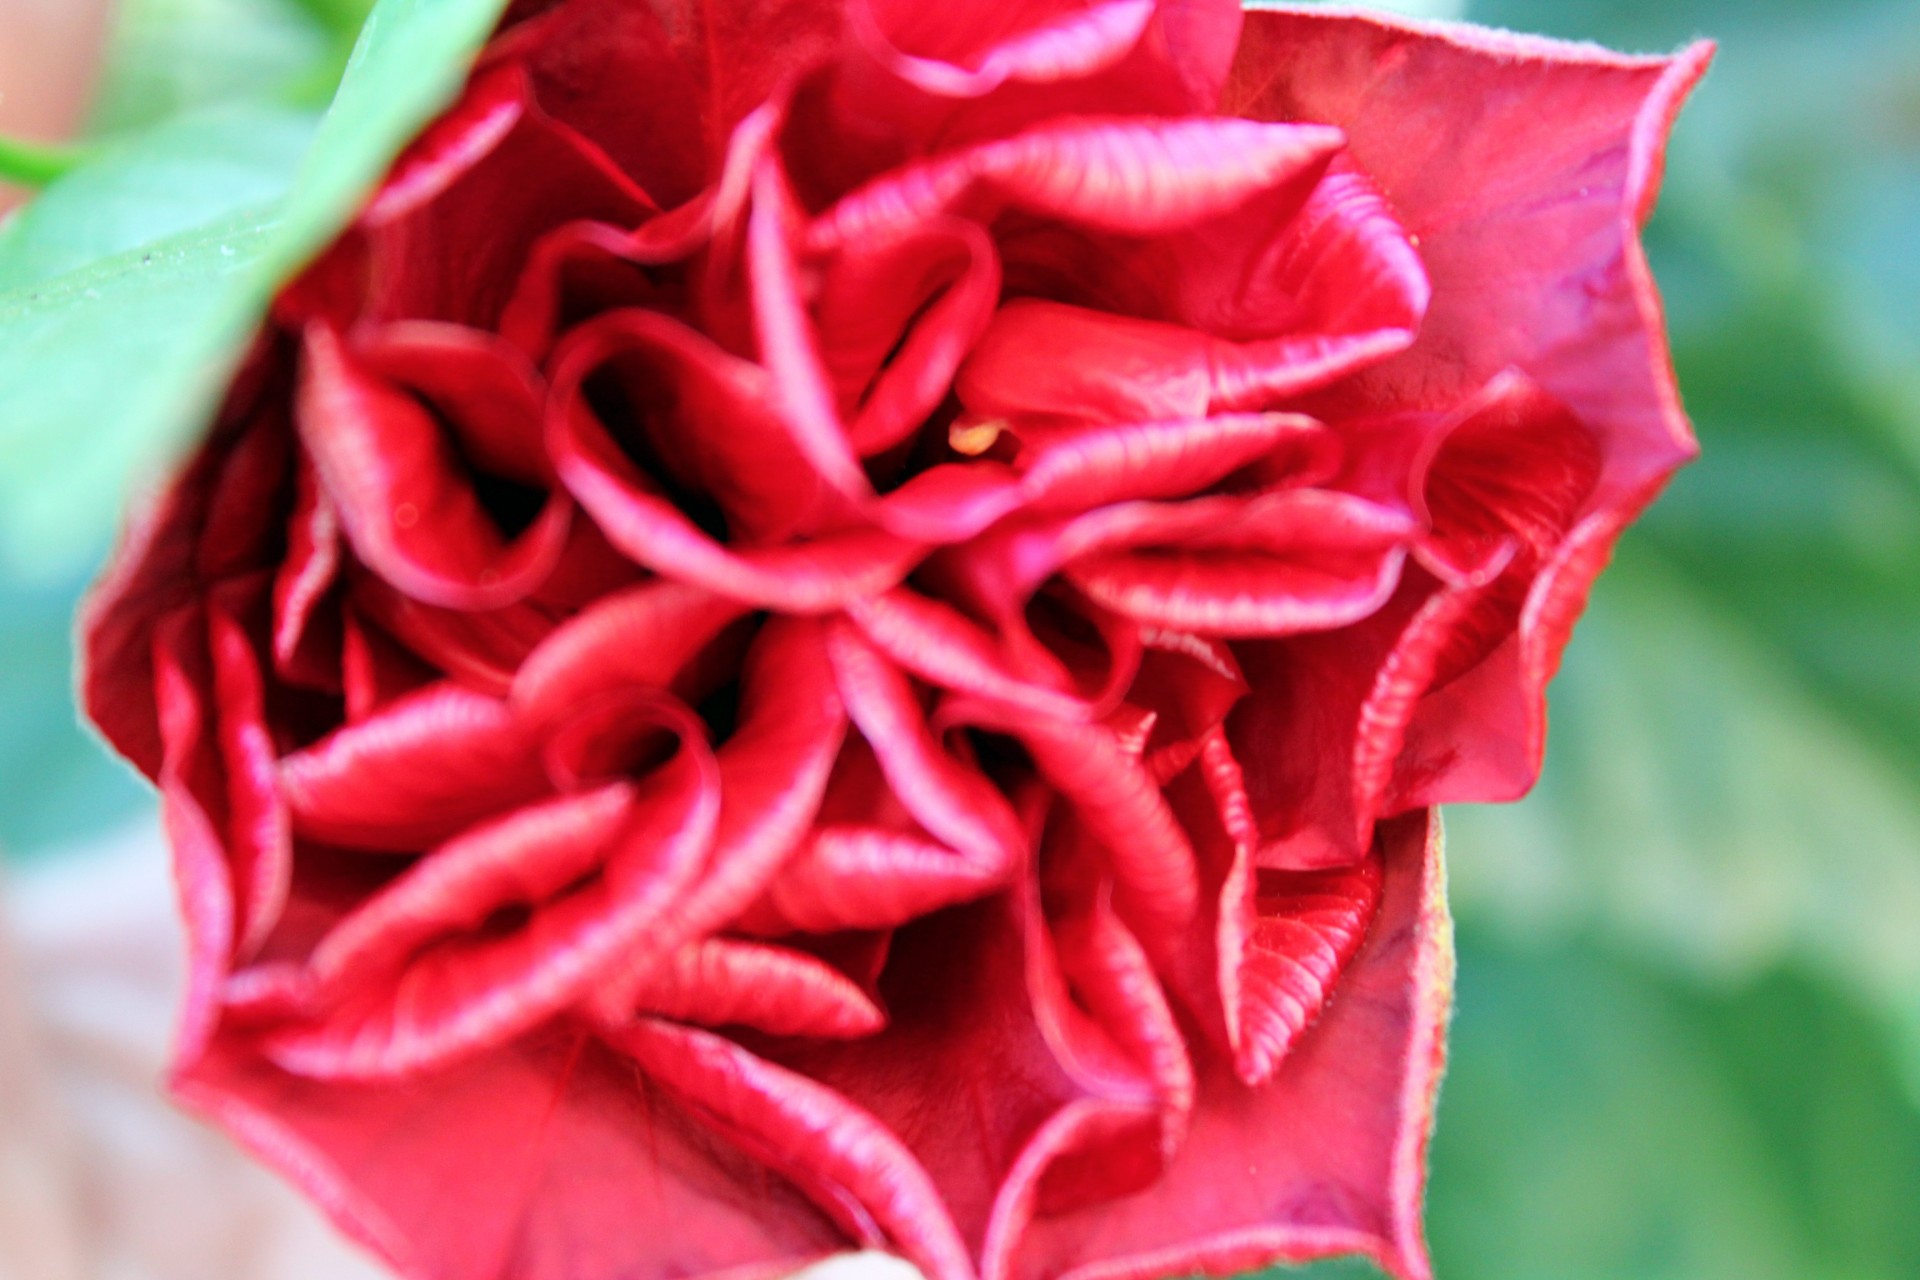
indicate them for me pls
(835, 624)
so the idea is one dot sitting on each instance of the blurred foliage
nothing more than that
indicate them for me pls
(1690, 979)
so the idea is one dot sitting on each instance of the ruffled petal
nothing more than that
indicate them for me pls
(534, 1161)
(720, 982)
(849, 1161)
(406, 502)
(473, 990)
(1136, 177)
(1328, 1156)
(414, 774)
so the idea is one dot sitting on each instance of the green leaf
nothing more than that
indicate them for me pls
(111, 355)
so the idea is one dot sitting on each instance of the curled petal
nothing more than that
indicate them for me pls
(1073, 471)
(409, 512)
(474, 991)
(259, 836)
(1289, 562)
(721, 982)
(938, 53)
(805, 577)
(1284, 939)
(643, 637)
(950, 799)
(1326, 1157)
(1137, 177)
(860, 1171)
(524, 858)
(850, 877)
(897, 318)
(413, 774)
(942, 646)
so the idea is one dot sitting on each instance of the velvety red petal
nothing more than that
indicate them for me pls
(414, 774)
(534, 1161)
(1282, 563)
(477, 989)
(524, 858)
(1136, 177)
(405, 499)
(895, 320)
(1526, 203)
(851, 1162)
(192, 803)
(1328, 1156)
(259, 836)
(496, 176)
(851, 877)
(663, 86)
(942, 646)
(950, 798)
(774, 770)
(221, 517)
(720, 982)
(640, 519)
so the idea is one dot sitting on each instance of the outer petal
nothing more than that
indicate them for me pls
(1329, 1157)
(1525, 167)
(543, 1160)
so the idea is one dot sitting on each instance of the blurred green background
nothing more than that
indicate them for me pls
(1688, 1038)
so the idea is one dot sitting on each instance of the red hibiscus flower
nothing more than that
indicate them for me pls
(836, 624)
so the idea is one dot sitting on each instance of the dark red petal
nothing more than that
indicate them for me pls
(310, 569)
(1285, 938)
(526, 857)
(895, 320)
(192, 804)
(663, 86)
(405, 500)
(415, 773)
(1073, 470)
(774, 770)
(942, 646)
(1286, 562)
(495, 177)
(857, 1169)
(259, 839)
(222, 516)
(643, 637)
(805, 577)
(1327, 1157)
(964, 52)
(1120, 805)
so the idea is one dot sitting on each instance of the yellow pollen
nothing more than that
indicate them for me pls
(974, 438)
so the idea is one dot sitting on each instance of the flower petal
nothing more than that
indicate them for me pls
(1328, 1156)
(474, 991)
(1137, 177)
(843, 1156)
(405, 501)
(415, 773)
(720, 982)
